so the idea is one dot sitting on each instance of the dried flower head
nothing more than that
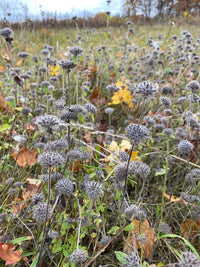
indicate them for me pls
(65, 187)
(78, 256)
(50, 159)
(91, 108)
(76, 50)
(8, 34)
(38, 197)
(132, 260)
(185, 147)
(47, 123)
(39, 212)
(146, 89)
(66, 65)
(165, 101)
(137, 132)
(93, 189)
(193, 86)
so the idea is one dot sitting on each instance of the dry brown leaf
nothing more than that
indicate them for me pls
(19, 204)
(190, 228)
(7, 253)
(174, 199)
(25, 157)
(2, 102)
(87, 137)
(141, 228)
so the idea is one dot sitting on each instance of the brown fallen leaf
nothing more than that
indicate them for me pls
(25, 157)
(174, 199)
(7, 253)
(141, 228)
(190, 228)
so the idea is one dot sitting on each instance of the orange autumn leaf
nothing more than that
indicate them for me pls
(2, 68)
(2, 102)
(174, 198)
(141, 228)
(7, 253)
(18, 204)
(25, 157)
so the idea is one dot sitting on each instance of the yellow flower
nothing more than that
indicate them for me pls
(54, 70)
(122, 96)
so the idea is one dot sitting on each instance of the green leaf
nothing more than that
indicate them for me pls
(4, 127)
(81, 118)
(114, 230)
(75, 59)
(118, 195)
(129, 227)
(81, 59)
(46, 90)
(185, 240)
(19, 240)
(121, 256)
(160, 264)
(34, 263)
(161, 172)
(105, 34)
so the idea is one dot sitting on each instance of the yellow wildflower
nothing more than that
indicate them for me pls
(54, 70)
(122, 96)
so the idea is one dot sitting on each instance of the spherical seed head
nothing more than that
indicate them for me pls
(120, 172)
(193, 86)
(26, 110)
(51, 159)
(132, 260)
(146, 89)
(123, 156)
(78, 256)
(93, 189)
(91, 108)
(76, 50)
(137, 132)
(60, 104)
(74, 154)
(38, 197)
(47, 123)
(65, 187)
(185, 147)
(39, 212)
(168, 131)
(165, 101)
(143, 170)
(130, 211)
(58, 145)
(165, 228)
(109, 110)
(190, 259)
(8, 34)
(23, 54)
(167, 90)
(66, 64)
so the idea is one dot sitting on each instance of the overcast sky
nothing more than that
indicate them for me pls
(70, 5)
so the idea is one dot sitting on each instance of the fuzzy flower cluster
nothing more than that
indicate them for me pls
(135, 212)
(78, 256)
(146, 89)
(65, 187)
(47, 123)
(51, 159)
(185, 147)
(39, 212)
(8, 34)
(137, 132)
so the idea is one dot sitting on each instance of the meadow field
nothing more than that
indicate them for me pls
(99, 146)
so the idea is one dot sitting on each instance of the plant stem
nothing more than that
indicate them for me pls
(45, 221)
